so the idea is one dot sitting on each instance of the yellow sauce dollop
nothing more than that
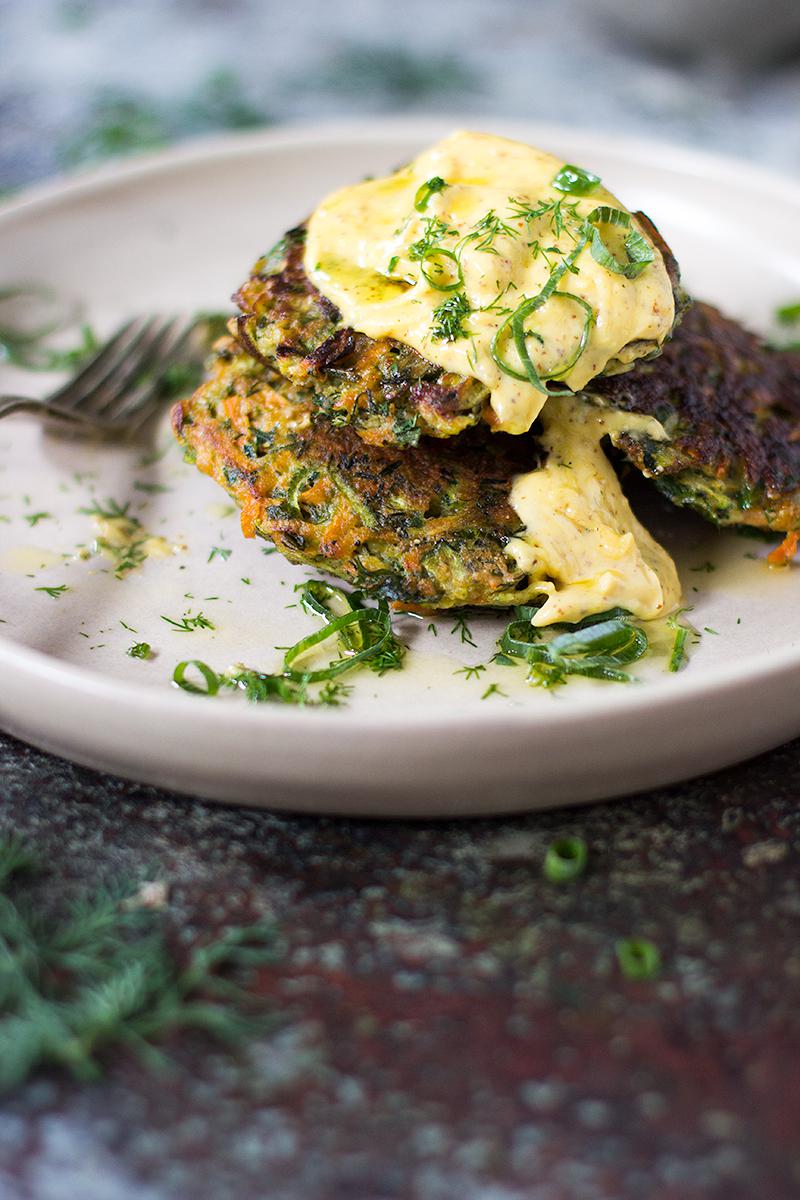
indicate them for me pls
(581, 539)
(360, 252)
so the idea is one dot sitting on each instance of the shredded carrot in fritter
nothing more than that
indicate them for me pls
(782, 555)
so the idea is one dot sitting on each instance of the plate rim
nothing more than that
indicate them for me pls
(195, 150)
(14, 656)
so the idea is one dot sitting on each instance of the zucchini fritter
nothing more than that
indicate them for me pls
(731, 407)
(424, 525)
(381, 387)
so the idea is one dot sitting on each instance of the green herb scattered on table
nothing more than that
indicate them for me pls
(638, 958)
(100, 973)
(565, 859)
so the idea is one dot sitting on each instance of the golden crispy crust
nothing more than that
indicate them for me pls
(731, 406)
(381, 387)
(425, 525)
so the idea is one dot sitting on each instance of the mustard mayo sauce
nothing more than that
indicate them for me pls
(582, 540)
(363, 252)
(121, 535)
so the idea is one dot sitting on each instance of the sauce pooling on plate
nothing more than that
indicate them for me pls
(495, 260)
(582, 542)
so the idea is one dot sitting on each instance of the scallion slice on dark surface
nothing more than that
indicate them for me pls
(565, 859)
(639, 958)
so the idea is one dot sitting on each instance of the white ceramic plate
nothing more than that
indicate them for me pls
(179, 231)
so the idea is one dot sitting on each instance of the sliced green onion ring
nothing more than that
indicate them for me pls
(625, 642)
(522, 640)
(639, 958)
(211, 678)
(640, 252)
(525, 309)
(515, 325)
(575, 181)
(370, 619)
(426, 190)
(596, 651)
(299, 482)
(565, 859)
(441, 252)
(315, 598)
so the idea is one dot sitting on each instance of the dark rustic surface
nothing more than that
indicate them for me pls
(453, 1025)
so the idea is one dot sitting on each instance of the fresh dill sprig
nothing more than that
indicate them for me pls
(111, 512)
(126, 557)
(54, 592)
(34, 518)
(449, 317)
(220, 552)
(485, 232)
(99, 973)
(474, 672)
(405, 430)
(463, 630)
(434, 231)
(560, 214)
(333, 693)
(190, 621)
(152, 489)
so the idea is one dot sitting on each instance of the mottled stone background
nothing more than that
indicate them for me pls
(80, 79)
(451, 1026)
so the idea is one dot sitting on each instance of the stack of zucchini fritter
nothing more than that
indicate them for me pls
(342, 449)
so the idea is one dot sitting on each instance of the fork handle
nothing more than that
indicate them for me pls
(13, 404)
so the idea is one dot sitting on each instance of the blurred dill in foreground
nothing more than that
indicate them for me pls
(100, 975)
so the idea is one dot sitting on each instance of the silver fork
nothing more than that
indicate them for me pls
(119, 389)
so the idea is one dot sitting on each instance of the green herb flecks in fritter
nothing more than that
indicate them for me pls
(381, 387)
(426, 525)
